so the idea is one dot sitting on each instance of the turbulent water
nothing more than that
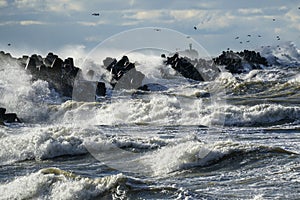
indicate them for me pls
(237, 137)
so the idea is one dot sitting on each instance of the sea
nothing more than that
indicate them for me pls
(236, 136)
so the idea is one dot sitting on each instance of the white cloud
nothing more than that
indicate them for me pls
(31, 22)
(23, 23)
(87, 23)
(28, 4)
(3, 3)
(187, 14)
(50, 5)
(64, 5)
(293, 19)
(251, 11)
(145, 15)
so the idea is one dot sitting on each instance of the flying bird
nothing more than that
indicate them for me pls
(157, 29)
(237, 38)
(273, 20)
(8, 44)
(259, 35)
(249, 35)
(96, 14)
(195, 27)
(248, 41)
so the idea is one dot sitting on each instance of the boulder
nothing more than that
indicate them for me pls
(183, 66)
(241, 62)
(8, 117)
(124, 73)
(153, 87)
(100, 89)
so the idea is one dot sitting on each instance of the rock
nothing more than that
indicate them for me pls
(8, 117)
(131, 79)
(241, 62)
(153, 87)
(58, 73)
(101, 89)
(124, 73)
(184, 67)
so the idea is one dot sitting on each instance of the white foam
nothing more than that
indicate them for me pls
(286, 54)
(260, 114)
(53, 183)
(40, 143)
(21, 96)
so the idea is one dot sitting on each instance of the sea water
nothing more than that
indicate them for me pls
(239, 143)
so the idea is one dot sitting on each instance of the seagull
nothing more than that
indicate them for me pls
(96, 14)
(195, 27)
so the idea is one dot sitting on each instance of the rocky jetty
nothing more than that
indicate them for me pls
(60, 74)
(241, 62)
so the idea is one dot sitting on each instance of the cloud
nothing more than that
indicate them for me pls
(293, 18)
(49, 5)
(87, 23)
(187, 14)
(3, 3)
(144, 15)
(23, 23)
(31, 22)
(28, 4)
(252, 11)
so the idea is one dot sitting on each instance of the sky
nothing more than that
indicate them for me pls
(40, 26)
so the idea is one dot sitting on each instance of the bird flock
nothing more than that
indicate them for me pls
(239, 38)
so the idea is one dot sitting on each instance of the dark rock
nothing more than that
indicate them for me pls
(8, 117)
(153, 87)
(59, 74)
(124, 73)
(184, 67)
(69, 62)
(131, 79)
(101, 89)
(57, 64)
(241, 62)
